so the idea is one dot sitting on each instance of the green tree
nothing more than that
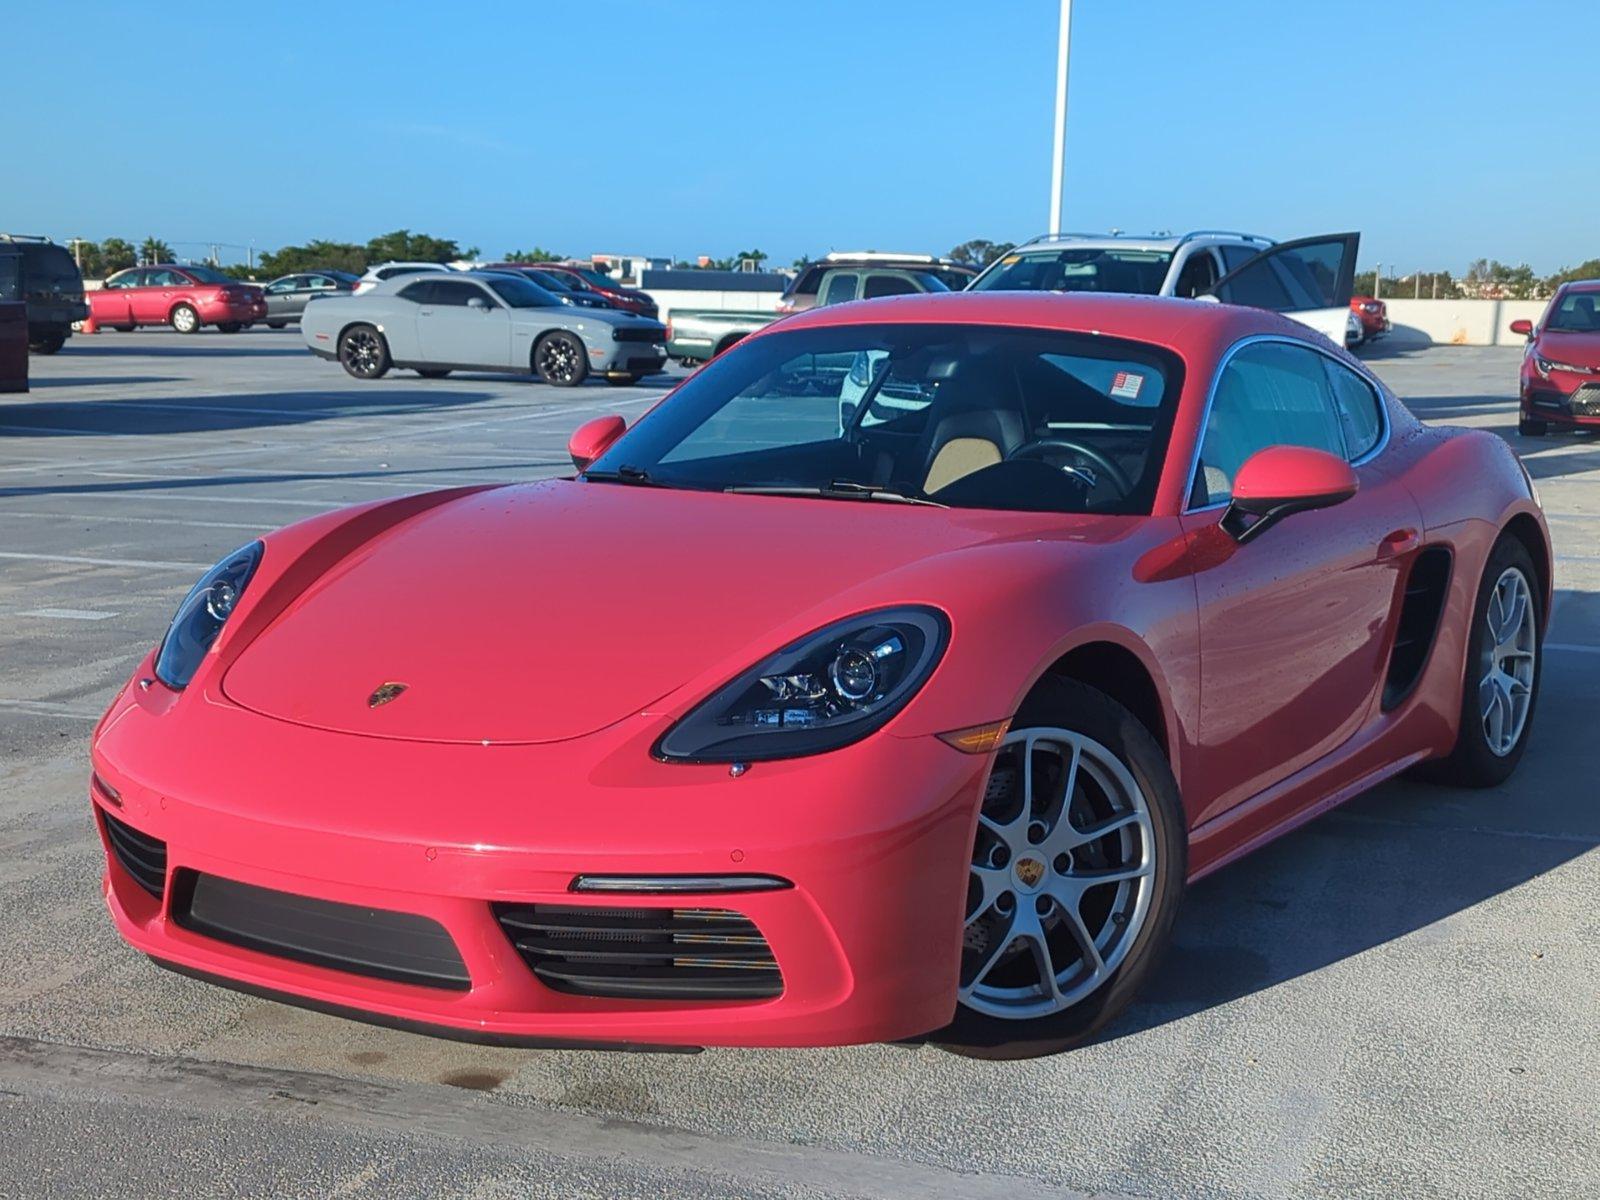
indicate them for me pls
(537, 255)
(403, 245)
(116, 255)
(1584, 270)
(316, 254)
(980, 252)
(154, 250)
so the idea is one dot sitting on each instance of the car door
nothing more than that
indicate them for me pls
(279, 292)
(152, 301)
(1310, 280)
(1294, 625)
(109, 304)
(452, 329)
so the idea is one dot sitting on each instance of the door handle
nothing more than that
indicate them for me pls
(1401, 541)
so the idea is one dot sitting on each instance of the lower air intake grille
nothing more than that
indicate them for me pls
(643, 953)
(400, 946)
(143, 857)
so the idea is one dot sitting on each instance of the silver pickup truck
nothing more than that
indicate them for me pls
(695, 335)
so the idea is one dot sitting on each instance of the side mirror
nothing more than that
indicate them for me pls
(1283, 480)
(479, 303)
(1522, 326)
(592, 439)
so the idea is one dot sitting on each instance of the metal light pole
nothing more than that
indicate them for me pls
(1058, 162)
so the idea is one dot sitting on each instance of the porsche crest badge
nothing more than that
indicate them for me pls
(384, 693)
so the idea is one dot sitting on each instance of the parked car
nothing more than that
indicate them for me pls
(1561, 366)
(802, 292)
(695, 335)
(480, 321)
(840, 285)
(50, 286)
(761, 733)
(393, 270)
(588, 279)
(288, 295)
(185, 297)
(1310, 279)
(1373, 315)
(562, 285)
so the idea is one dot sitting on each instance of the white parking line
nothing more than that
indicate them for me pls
(122, 518)
(50, 709)
(107, 562)
(67, 614)
(1572, 648)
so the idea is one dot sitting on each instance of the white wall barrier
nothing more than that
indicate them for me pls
(1458, 322)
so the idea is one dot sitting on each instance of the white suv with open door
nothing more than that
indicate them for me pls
(1309, 279)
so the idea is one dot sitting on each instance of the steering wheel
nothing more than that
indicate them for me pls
(1046, 447)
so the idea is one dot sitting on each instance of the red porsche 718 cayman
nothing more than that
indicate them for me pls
(891, 677)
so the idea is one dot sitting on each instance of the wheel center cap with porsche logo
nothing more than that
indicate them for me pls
(1029, 872)
(384, 693)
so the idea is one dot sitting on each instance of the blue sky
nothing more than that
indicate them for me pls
(710, 126)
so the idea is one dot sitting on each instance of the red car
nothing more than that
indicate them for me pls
(184, 297)
(1561, 367)
(1373, 315)
(801, 733)
(588, 279)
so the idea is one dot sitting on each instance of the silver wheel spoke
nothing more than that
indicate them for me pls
(1080, 934)
(993, 880)
(1066, 836)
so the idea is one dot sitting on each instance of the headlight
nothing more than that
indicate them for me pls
(1545, 365)
(828, 689)
(203, 613)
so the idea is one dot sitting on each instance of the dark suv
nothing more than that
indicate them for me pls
(50, 285)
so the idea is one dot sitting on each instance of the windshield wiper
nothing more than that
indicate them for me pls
(839, 489)
(637, 476)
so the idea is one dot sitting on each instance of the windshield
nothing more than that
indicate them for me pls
(521, 292)
(597, 278)
(1079, 269)
(206, 275)
(1578, 312)
(961, 415)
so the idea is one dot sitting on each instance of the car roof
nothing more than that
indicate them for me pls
(1156, 242)
(1192, 328)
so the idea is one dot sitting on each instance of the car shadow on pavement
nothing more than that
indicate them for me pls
(98, 381)
(143, 349)
(149, 416)
(1402, 861)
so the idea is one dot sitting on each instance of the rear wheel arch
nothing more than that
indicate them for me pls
(1526, 530)
(728, 343)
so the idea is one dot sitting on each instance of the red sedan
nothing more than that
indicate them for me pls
(186, 298)
(1373, 315)
(588, 279)
(892, 677)
(1561, 367)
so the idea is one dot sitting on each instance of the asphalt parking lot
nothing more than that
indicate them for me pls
(1402, 998)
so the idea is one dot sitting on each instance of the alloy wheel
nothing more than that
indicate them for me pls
(1505, 692)
(558, 360)
(1062, 873)
(362, 351)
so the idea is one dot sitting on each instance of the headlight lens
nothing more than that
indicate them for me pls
(828, 689)
(203, 613)
(1545, 365)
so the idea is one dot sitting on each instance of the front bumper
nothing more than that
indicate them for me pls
(1577, 407)
(875, 839)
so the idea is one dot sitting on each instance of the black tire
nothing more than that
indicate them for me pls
(623, 380)
(230, 326)
(276, 324)
(433, 372)
(49, 343)
(184, 319)
(364, 353)
(1529, 427)
(559, 360)
(1067, 704)
(1472, 763)
(124, 328)
(728, 343)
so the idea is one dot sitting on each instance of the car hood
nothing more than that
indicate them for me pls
(599, 316)
(1578, 349)
(547, 611)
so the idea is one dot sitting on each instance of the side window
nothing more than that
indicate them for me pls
(164, 279)
(126, 279)
(280, 286)
(1198, 275)
(1269, 394)
(841, 288)
(1360, 409)
(318, 283)
(456, 293)
(887, 285)
(418, 293)
(1234, 257)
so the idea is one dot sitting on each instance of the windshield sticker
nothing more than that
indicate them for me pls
(1009, 259)
(1125, 385)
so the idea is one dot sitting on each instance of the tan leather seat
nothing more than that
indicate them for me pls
(958, 457)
